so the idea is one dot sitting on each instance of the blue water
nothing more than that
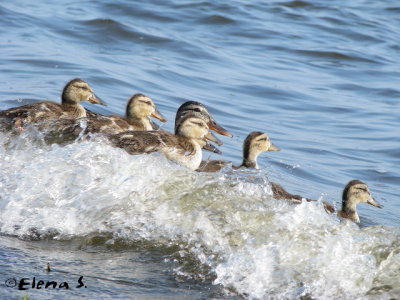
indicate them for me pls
(321, 78)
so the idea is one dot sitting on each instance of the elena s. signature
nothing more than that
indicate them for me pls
(34, 283)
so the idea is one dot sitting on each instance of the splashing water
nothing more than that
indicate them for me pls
(239, 236)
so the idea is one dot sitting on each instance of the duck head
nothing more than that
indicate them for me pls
(254, 144)
(140, 106)
(198, 110)
(356, 192)
(78, 90)
(195, 128)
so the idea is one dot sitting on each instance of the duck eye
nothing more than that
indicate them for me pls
(263, 139)
(84, 88)
(145, 101)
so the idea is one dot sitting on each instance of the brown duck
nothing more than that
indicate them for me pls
(74, 92)
(183, 147)
(139, 109)
(254, 144)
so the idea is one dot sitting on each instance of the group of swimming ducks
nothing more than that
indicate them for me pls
(137, 134)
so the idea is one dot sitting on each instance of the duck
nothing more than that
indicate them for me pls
(183, 147)
(75, 91)
(255, 143)
(355, 192)
(138, 111)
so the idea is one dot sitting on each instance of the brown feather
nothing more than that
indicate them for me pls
(280, 193)
(39, 112)
(212, 165)
(137, 142)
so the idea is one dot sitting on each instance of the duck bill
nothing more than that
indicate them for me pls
(211, 148)
(156, 114)
(96, 100)
(211, 137)
(274, 148)
(372, 202)
(218, 129)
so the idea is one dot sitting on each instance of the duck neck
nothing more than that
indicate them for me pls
(75, 109)
(349, 209)
(143, 122)
(194, 158)
(250, 160)
(66, 98)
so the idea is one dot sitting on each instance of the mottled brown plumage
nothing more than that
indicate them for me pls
(138, 142)
(74, 92)
(212, 165)
(183, 148)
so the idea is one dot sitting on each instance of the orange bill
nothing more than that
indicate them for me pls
(218, 129)
(274, 148)
(372, 202)
(156, 114)
(96, 100)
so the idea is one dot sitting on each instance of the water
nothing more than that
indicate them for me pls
(320, 78)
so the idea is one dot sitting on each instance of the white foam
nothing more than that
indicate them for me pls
(253, 244)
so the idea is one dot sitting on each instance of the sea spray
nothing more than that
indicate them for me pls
(226, 226)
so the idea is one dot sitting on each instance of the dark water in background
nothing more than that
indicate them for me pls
(321, 78)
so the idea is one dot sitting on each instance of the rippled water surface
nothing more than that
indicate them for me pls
(321, 78)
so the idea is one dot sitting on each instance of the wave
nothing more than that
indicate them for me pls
(226, 223)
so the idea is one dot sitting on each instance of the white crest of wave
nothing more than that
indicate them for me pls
(253, 244)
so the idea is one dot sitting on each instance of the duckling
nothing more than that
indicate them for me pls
(139, 109)
(256, 143)
(198, 110)
(184, 147)
(74, 91)
(355, 192)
